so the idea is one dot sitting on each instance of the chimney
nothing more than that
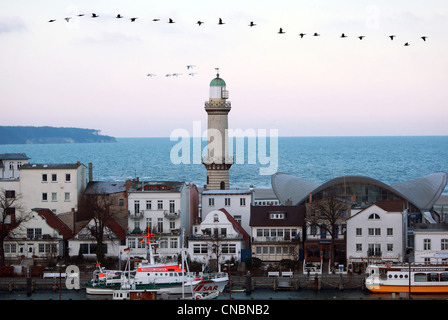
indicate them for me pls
(90, 172)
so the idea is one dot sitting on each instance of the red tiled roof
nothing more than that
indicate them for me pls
(54, 222)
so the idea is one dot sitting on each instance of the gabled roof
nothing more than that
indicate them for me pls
(54, 222)
(235, 224)
(113, 226)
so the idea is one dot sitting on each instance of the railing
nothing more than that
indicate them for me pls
(275, 239)
(219, 104)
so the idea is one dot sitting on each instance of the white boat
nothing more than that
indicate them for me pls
(404, 278)
(169, 278)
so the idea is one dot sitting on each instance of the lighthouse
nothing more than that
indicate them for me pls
(217, 161)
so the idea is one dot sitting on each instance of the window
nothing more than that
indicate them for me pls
(228, 248)
(136, 206)
(11, 194)
(276, 215)
(172, 206)
(211, 202)
(148, 204)
(227, 202)
(148, 224)
(47, 248)
(374, 216)
(68, 177)
(374, 231)
(390, 231)
(215, 218)
(44, 177)
(426, 244)
(444, 244)
(160, 225)
(390, 247)
(54, 177)
(359, 231)
(160, 204)
(90, 248)
(54, 196)
(200, 248)
(172, 224)
(238, 218)
(67, 196)
(242, 202)
(32, 233)
(173, 243)
(44, 196)
(121, 202)
(359, 247)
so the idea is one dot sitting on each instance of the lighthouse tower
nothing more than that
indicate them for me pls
(217, 161)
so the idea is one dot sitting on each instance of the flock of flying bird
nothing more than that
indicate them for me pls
(221, 22)
(190, 66)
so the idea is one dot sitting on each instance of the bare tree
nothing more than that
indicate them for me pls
(12, 216)
(327, 214)
(98, 207)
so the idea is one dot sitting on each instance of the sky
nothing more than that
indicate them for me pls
(93, 72)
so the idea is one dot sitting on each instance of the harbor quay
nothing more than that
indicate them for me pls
(237, 283)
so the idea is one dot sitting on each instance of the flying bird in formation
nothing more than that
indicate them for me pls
(221, 22)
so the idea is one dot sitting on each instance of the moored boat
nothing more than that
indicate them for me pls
(404, 278)
(169, 278)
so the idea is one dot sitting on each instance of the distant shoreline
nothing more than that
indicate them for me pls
(49, 135)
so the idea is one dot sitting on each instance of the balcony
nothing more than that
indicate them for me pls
(277, 239)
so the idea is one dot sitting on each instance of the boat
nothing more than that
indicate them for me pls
(423, 279)
(165, 278)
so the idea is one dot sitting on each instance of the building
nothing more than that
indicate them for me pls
(376, 234)
(277, 232)
(217, 239)
(217, 161)
(43, 236)
(85, 244)
(431, 243)
(10, 164)
(57, 187)
(419, 195)
(117, 199)
(161, 208)
(235, 201)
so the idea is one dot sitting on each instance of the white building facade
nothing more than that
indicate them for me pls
(161, 208)
(219, 237)
(375, 234)
(235, 201)
(57, 187)
(431, 244)
(41, 236)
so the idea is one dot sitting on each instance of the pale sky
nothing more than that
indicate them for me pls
(92, 72)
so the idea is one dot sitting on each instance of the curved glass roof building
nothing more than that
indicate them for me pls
(421, 194)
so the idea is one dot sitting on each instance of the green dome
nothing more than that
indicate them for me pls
(217, 82)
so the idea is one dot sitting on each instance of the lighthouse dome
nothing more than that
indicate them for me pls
(217, 82)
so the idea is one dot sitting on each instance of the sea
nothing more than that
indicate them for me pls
(388, 159)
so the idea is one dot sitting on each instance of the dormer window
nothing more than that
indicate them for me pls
(276, 215)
